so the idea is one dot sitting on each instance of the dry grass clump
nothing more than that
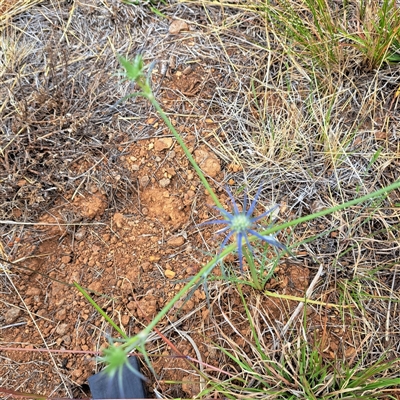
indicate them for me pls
(11, 8)
(61, 120)
(318, 359)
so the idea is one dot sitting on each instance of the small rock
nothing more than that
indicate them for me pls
(170, 172)
(189, 305)
(66, 259)
(151, 121)
(60, 315)
(22, 182)
(96, 286)
(94, 189)
(164, 182)
(42, 312)
(187, 71)
(176, 241)
(208, 162)
(125, 320)
(66, 339)
(162, 144)
(146, 266)
(118, 219)
(188, 197)
(93, 206)
(192, 270)
(144, 181)
(135, 167)
(350, 352)
(32, 291)
(12, 315)
(62, 329)
(147, 306)
(381, 135)
(80, 234)
(204, 314)
(169, 274)
(95, 249)
(76, 373)
(91, 262)
(177, 26)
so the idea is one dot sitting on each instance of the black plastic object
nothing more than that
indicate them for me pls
(127, 385)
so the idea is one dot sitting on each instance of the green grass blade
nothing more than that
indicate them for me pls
(100, 310)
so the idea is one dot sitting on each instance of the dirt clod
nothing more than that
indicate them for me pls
(207, 161)
(92, 205)
(162, 144)
(164, 182)
(118, 219)
(62, 329)
(144, 181)
(176, 241)
(12, 315)
(177, 26)
(169, 274)
(66, 259)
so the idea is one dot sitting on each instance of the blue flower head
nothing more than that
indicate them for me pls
(242, 224)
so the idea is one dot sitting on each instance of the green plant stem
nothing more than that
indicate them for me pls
(204, 271)
(253, 270)
(179, 139)
(134, 71)
(100, 310)
(327, 211)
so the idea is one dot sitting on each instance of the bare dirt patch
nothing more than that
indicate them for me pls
(133, 267)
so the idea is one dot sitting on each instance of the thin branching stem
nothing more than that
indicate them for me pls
(189, 156)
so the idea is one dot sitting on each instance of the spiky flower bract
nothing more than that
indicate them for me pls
(241, 224)
(116, 358)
